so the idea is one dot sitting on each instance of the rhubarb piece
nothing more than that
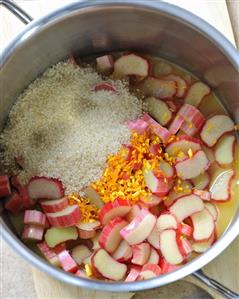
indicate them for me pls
(169, 247)
(166, 267)
(184, 188)
(95, 241)
(213, 210)
(5, 189)
(162, 132)
(176, 124)
(87, 230)
(202, 181)
(27, 202)
(105, 87)
(205, 195)
(123, 253)
(57, 235)
(209, 153)
(186, 206)
(49, 254)
(153, 257)
(35, 217)
(139, 126)
(180, 83)
(196, 93)
(135, 209)
(105, 64)
(158, 186)
(141, 253)
(153, 238)
(133, 273)
(81, 273)
(14, 203)
(86, 234)
(192, 167)
(16, 183)
(166, 221)
(93, 196)
(111, 210)
(107, 266)
(55, 205)
(131, 64)
(201, 247)
(203, 225)
(67, 262)
(139, 228)
(221, 187)
(166, 169)
(183, 144)
(150, 271)
(43, 187)
(32, 232)
(150, 200)
(185, 247)
(185, 230)
(70, 216)
(193, 119)
(159, 110)
(79, 253)
(158, 88)
(110, 237)
(161, 68)
(214, 128)
(225, 150)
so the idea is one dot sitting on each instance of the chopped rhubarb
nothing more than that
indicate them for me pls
(43, 187)
(55, 205)
(79, 253)
(35, 217)
(202, 181)
(93, 196)
(133, 273)
(212, 208)
(150, 201)
(56, 235)
(158, 186)
(123, 253)
(203, 225)
(150, 271)
(159, 110)
(153, 238)
(176, 124)
(49, 254)
(185, 247)
(139, 228)
(5, 188)
(119, 207)
(158, 88)
(183, 144)
(133, 213)
(139, 126)
(166, 221)
(67, 262)
(105, 87)
(166, 267)
(141, 253)
(196, 93)
(180, 83)
(110, 237)
(14, 203)
(33, 232)
(225, 150)
(105, 64)
(192, 167)
(205, 195)
(200, 247)
(186, 230)
(215, 127)
(69, 216)
(153, 257)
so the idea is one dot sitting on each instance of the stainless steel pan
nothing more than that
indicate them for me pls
(91, 27)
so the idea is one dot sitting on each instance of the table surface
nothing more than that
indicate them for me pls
(18, 279)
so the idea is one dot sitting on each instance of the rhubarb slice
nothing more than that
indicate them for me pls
(87, 230)
(196, 93)
(169, 247)
(158, 186)
(201, 247)
(221, 187)
(105, 87)
(107, 266)
(5, 188)
(176, 124)
(133, 273)
(110, 237)
(181, 85)
(203, 225)
(203, 194)
(35, 217)
(185, 246)
(49, 254)
(55, 205)
(123, 253)
(186, 206)
(184, 188)
(139, 228)
(158, 88)
(79, 253)
(159, 110)
(150, 201)
(192, 167)
(93, 196)
(202, 181)
(33, 232)
(141, 253)
(153, 257)
(153, 238)
(57, 235)
(167, 169)
(212, 208)
(150, 271)
(110, 210)
(183, 144)
(161, 68)
(131, 64)
(70, 216)
(139, 126)
(43, 187)
(14, 203)
(166, 221)
(225, 150)
(135, 209)
(67, 262)
(105, 64)
(214, 128)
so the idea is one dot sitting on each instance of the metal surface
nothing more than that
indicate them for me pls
(90, 27)
(17, 11)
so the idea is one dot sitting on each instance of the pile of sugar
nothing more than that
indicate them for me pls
(64, 129)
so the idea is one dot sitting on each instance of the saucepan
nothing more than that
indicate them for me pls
(99, 26)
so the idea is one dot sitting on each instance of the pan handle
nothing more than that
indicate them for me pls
(17, 11)
(216, 286)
